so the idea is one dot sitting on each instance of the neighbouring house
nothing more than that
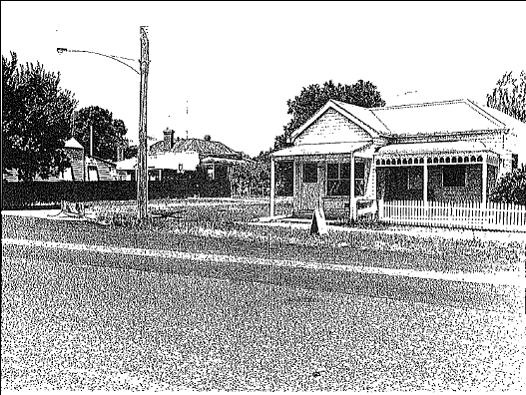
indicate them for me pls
(347, 156)
(82, 167)
(99, 169)
(171, 157)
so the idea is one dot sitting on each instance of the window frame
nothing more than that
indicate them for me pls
(450, 184)
(339, 181)
(357, 180)
(314, 174)
(93, 169)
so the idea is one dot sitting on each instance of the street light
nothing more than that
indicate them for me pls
(142, 167)
(117, 58)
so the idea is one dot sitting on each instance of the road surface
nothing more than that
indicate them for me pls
(72, 320)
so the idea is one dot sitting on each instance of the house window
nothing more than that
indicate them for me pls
(93, 173)
(415, 180)
(514, 161)
(359, 178)
(310, 172)
(338, 179)
(210, 173)
(454, 176)
(67, 174)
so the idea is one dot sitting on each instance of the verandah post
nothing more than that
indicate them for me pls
(272, 185)
(426, 177)
(352, 200)
(484, 180)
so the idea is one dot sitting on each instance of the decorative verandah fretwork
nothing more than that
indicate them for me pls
(438, 154)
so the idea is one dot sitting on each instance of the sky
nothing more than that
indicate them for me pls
(236, 64)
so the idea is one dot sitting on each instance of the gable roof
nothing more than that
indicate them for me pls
(73, 143)
(203, 147)
(356, 116)
(443, 117)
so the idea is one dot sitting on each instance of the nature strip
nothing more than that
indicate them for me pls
(500, 278)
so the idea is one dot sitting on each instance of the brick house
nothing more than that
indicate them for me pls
(345, 157)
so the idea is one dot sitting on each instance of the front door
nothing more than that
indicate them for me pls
(309, 186)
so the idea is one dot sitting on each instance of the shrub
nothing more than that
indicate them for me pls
(511, 188)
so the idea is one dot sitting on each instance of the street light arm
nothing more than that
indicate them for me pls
(116, 58)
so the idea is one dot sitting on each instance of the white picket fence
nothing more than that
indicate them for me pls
(469, 215)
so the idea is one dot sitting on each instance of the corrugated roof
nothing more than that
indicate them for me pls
(510, 122)
(443, 117)
(436, 118)
(365, 115)
(320, 149)
(427, 148)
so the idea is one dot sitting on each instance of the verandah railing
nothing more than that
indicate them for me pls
(470, 215)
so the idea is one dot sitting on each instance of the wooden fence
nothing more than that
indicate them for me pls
(469, 215)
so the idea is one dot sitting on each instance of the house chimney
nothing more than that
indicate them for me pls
(168, 139)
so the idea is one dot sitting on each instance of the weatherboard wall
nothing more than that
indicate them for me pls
(332, 127)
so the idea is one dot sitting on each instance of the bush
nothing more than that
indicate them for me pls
(511, 188)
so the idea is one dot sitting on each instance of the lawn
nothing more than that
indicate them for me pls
(223, 226)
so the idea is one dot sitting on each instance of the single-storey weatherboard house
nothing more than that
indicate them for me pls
(347, 156)
(82, 167)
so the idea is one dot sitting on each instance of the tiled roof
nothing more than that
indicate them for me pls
(203, 147)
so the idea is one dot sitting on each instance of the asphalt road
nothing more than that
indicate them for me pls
(71, 322)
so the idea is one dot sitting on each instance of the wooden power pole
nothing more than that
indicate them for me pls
(142, 154)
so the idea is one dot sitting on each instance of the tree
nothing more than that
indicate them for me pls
(252, 176)
(509, 96)
(511, 187)
(314, 97)
(108, 133)
(36, 120)
(130, 151)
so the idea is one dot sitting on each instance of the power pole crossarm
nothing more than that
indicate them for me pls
(142, 154)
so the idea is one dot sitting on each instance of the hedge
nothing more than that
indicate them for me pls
(17, 195)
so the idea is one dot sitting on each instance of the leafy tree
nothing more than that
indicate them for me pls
(509, 96)
(252, 177)
(36, 119)
(314, 97)
(130, 151)
(108, 133)
(511, 187)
